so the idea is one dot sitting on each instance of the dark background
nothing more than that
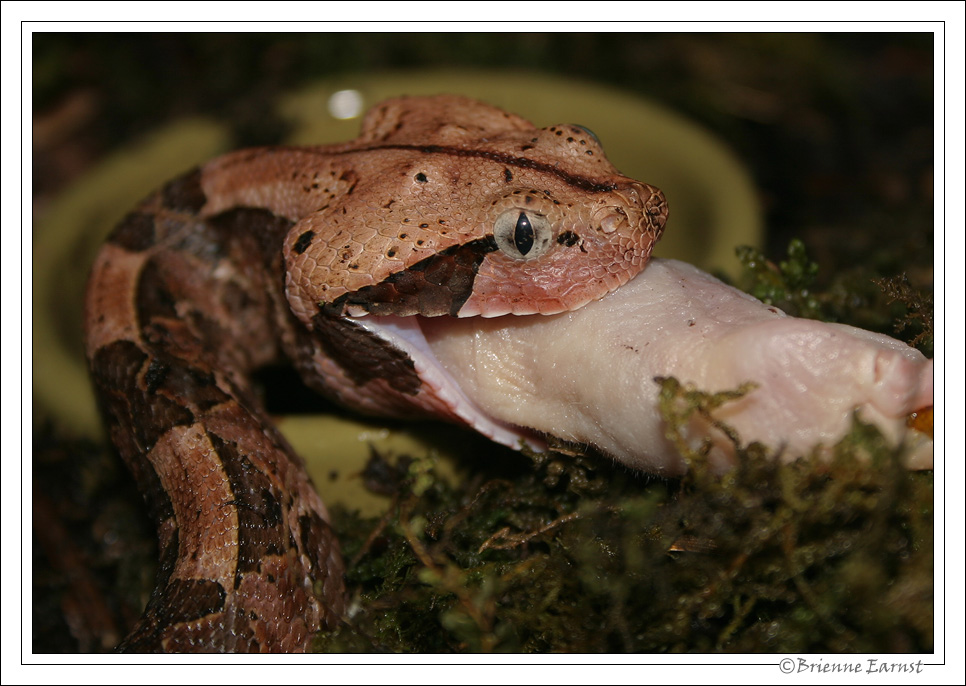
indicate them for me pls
(837, 129)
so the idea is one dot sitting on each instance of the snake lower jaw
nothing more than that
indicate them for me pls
(443, 394)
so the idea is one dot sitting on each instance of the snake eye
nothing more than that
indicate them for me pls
(522, 235)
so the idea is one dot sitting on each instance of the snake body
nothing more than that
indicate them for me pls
(324, 257)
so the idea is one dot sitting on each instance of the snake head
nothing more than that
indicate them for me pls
(483, 217)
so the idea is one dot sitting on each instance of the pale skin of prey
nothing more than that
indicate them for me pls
(588, 376)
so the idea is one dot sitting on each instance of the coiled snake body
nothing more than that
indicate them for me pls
(322, 256)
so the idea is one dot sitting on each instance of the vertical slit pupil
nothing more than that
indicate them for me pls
(523, 234)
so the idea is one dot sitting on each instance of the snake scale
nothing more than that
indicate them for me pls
(442, 207)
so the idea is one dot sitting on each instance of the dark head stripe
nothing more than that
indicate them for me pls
(437, 285)
(575, 180)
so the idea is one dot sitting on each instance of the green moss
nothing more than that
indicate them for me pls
(860, 295)
(786, 284)
(914, 318)
(830, 555)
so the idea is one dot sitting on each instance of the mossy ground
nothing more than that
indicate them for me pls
(578, 555)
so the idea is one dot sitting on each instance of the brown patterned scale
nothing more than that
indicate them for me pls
(326, 257)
